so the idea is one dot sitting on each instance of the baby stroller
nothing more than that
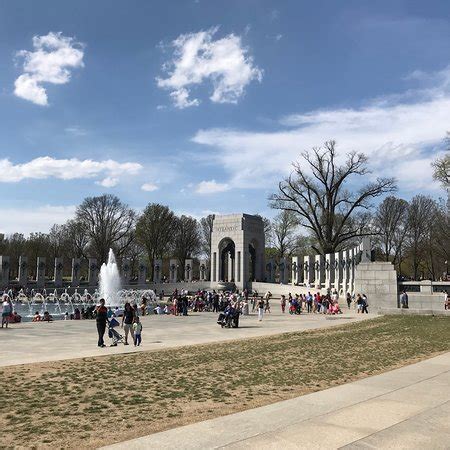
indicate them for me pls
(115, 336)
(229, 320)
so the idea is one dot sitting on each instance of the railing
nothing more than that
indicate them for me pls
(426, 287)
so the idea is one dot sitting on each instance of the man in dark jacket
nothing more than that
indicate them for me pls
(101, 316)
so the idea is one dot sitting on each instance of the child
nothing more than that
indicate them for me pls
(137, 329)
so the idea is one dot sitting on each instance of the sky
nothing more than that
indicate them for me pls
(203, 107)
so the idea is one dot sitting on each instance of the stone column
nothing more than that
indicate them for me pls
(40, 272)
(4, 270)
(230, 274)
(378, 280)
(173, 270)
(284, 270)
(214, 269)
(329, 270)
(203, 270)
(188, 270)
(93, 272)
(142, 276)
(157, 270)
(345, 270)
(76, 269)
(308, 270)
(366, 250)
(295, 266)
(126, 271)
(319, 273)
(23, 270)
(351, 263)
(58, 272)
(270, 271)
(338, 271)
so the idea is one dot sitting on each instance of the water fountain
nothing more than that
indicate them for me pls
(109, 281)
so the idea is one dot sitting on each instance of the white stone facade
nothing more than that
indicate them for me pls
(237, 250)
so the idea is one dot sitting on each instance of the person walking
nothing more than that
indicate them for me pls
(404, 300)
(283, 303)
(364, 305)
(137, 330)
(260, 309)
(6, 311)
(127, 321)
(101, 318)
(349, 300)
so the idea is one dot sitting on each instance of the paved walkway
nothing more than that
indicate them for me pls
(36, 342)
(405, 408)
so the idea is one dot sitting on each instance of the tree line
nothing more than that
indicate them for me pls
(320, 212)
(105, 222)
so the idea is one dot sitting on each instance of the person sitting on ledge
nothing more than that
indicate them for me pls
(47, 317)
(37, 317)
(16, 318)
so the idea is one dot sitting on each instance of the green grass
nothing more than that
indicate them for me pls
(63, 404)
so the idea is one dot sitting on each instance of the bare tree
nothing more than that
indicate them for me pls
(390, 224)
(77, 240)
(420, 217)
(206, 225)
(187, 239)
(441, 167)
(284, 228)
(108, 222)
(322, 203)
(154, 231)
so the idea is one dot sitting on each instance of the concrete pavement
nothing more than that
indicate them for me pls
(36, 342)
(405, 408)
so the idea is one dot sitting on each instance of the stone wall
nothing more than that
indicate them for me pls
(378, 280)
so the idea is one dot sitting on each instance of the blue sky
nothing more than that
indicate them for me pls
(203, 107)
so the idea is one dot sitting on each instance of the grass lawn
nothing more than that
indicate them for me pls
(91, 402)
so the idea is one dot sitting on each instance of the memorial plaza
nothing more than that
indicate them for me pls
(225, 225)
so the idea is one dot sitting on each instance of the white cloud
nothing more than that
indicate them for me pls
(198, 57)
(75, 131)
(211, 187)
(108, 182)
(39, 219)
(66, 169)
(149, 187)
(401, 135)
(50, 62)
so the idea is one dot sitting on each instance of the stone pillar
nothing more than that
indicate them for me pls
(93, 272)
(58, 272)
(284, 270)
(366, 250)
(4, 270)
(214, 269)
(188, 270)
(378, 280)
(230, 274)
(173, 270)
(295, 270)
(319, 273)
(329, 270)
(270, 271)
(338, 271)
(126, 271)
(142, 276)
(345, 270)
(203, 270)
(157, 270)
(351, 269)
(76, 269)
(308, 270)
(23, 270)
(40, 272)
